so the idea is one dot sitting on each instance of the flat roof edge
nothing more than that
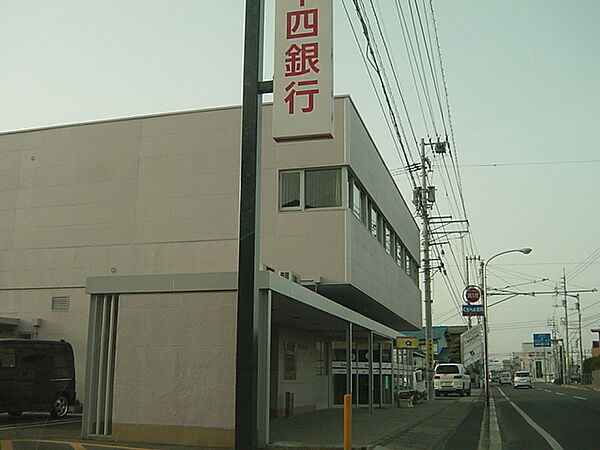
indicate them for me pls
(134, 117)
(227, 281)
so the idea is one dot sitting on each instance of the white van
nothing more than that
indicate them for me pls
(451, 377)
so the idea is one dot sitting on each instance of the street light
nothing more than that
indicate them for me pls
(486, 363)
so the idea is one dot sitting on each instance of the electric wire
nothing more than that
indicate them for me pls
(421, 72)
(377, 94)
(431, 69)
(382, 33)
(380, 75)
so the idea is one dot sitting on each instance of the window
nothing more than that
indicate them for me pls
(60, 303)
(321, 358)
(308, 189)
(374, 223)
(289, 361)
(356, 201)
(401, 254)
(7, 358)
(289, 190)
(388, 239)
(447, 368)
(323, 188)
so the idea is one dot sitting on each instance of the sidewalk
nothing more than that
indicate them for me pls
(426, 425)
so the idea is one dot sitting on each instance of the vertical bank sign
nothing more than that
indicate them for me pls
(303, 78)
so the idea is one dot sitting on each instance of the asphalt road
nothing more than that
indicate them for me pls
(550, 417)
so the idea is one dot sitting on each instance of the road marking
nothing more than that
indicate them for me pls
(495, 438)
(560, 393)
(549, 439)
(6, 445)
(75, 445)
(580, 398)
(38, 424)
(546, 390)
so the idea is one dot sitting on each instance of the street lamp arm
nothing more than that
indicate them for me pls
(486, 370)
(525, 251)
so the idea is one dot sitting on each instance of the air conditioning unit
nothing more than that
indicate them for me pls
(292, 276)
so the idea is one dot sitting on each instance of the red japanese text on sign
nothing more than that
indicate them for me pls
(309, 93)
(303, 82)
(302, 23)
(302, 59)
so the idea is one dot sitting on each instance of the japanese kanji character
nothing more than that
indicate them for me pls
(310, 93)
(302, 23)
(301, 59)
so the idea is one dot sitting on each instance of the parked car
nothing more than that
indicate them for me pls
(36, 376)
(451, 377)
(522, 379)
(505, 378)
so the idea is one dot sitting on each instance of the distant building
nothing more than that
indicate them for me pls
(596, 344)
(540, 362)
(444, 338)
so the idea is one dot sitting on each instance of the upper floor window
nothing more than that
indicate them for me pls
(289, 190)
(388, 238)
(323, 188)
(358, 200)
(374, 222)
(310, 188)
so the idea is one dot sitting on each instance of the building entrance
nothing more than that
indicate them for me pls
(382, 374)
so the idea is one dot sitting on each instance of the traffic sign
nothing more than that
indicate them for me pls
(472, 294)
(407, 342)
(541, 339)
(472, 310)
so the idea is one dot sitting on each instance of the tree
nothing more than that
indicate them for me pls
(591, 364)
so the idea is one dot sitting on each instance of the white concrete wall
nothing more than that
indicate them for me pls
(377, 274)
(366, 162)
(306, 384)
(312, 242)
(175, 362)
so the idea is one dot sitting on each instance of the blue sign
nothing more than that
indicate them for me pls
(541, 339)
(472, 310)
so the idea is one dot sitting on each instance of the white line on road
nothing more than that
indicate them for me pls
(546, 390)
(580, 398)
(549, 439)
(37, 424)
(560, 393)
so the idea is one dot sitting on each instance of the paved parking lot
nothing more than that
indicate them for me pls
(41, 432)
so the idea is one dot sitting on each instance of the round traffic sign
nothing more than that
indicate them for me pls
(472, 294)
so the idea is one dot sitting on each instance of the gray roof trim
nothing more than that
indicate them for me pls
(10, 321)
(227, 281)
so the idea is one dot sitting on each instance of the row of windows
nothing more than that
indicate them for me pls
(322, 188)
(366, 211)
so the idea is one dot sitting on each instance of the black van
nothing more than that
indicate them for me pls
(36, 376)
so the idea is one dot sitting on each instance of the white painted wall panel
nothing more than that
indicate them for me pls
(175, 361)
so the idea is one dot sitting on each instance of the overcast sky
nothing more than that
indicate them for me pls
(522, 79)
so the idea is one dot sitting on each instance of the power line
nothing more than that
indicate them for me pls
(535, 163)
(377, 93)
(371, 47)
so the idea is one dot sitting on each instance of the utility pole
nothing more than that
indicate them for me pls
(580, 339)
(423, 206)
(567, 357)
(424, 196)
(556, 348)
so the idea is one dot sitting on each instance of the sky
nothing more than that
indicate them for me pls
(522, 84)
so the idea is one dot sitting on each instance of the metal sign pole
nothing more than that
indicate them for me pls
(246, 402)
